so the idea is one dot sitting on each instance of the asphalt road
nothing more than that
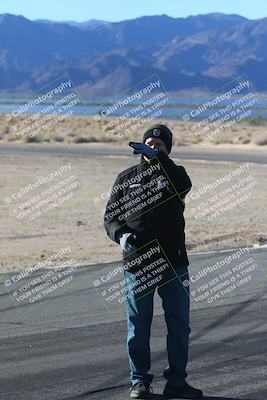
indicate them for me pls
(72, 347)
(186, 153)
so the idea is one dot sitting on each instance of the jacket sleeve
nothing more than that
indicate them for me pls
(176, 174)
(112, 224)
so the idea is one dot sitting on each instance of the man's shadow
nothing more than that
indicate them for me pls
(155, 396)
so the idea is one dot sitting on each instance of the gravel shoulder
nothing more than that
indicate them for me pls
(78, 221)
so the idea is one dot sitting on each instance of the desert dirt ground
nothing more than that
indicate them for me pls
(78, 221)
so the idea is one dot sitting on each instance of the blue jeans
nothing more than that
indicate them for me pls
(176, 304)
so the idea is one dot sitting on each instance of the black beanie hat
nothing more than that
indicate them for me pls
(162, 132)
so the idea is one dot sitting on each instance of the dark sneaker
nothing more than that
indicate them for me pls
(141, 391)
(182, 392)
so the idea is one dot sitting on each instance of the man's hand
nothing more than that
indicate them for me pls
(126, 242)
(141, 148)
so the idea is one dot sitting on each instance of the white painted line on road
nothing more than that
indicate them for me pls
(264, 246)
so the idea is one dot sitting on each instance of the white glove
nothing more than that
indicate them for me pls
(126, 242)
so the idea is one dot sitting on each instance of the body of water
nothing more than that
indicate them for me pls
(175, 107)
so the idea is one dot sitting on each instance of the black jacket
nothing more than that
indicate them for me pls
(151, 206)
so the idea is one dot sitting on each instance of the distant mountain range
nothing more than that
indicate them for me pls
(103, 59)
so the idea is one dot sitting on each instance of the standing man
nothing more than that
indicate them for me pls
(156, 219)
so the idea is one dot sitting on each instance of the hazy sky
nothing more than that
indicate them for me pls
(117, 10)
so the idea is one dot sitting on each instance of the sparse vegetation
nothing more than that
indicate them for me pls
(83, 129)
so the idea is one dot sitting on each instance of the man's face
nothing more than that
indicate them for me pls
(156, 143)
